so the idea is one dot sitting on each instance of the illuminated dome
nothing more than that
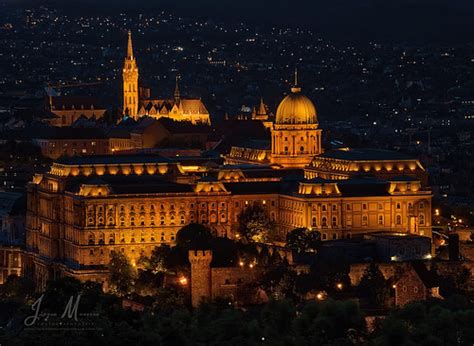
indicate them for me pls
(296, 109)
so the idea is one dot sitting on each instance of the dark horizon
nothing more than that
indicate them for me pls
(408, 21)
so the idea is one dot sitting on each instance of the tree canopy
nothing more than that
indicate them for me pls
(255, 225)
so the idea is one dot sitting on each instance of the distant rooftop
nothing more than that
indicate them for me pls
(364, 154)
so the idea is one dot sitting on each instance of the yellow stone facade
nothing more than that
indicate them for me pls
(84, 208)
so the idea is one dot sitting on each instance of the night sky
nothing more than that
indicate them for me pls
(417, 21)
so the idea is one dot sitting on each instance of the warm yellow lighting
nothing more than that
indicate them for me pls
(394, 286)
(320, 296)
(251, 265)
(241, 263)
(339, 286)
(183, 280)
(437, 212)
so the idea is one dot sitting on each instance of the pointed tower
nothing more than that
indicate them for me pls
(296, 138)
(177, 94)
(260, 113)
(130, 82)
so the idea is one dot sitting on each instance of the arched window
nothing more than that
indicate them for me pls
(302, 149)
(101, 239)
(323, 207)
(91, 239)
(399, 219)
(334, 221)
(313, 222)
(324, 222)
(398, 206)
(112, 238)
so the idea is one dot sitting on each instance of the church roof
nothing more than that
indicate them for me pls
(189, 106)
(75, 102)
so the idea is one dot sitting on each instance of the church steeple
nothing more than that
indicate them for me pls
(130, 46)
(177, 94)
(261, 108)
(130, 81)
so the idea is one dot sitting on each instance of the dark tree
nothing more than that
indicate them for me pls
(194, 236)
(302, 240)
(375, 288)
(255, 225)
(122, 274)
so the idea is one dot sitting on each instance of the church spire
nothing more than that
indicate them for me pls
(261, 108)
(130, 47)
(177, 94)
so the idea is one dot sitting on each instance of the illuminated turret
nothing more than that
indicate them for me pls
(200, 275)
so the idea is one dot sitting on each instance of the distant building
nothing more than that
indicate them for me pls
(411, 281)
(146, 133)
(137, 104)
(415, 283)
(65, 110)
(12, 233)
(381, 247)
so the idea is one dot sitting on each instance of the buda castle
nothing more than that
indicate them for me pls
(137, 101)
(86, 207)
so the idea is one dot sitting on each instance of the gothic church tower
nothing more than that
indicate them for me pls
(130, 82)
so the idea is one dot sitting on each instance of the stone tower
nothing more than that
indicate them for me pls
(130, 81)
(200, 275)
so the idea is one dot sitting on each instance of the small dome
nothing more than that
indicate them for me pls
(296, 109)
